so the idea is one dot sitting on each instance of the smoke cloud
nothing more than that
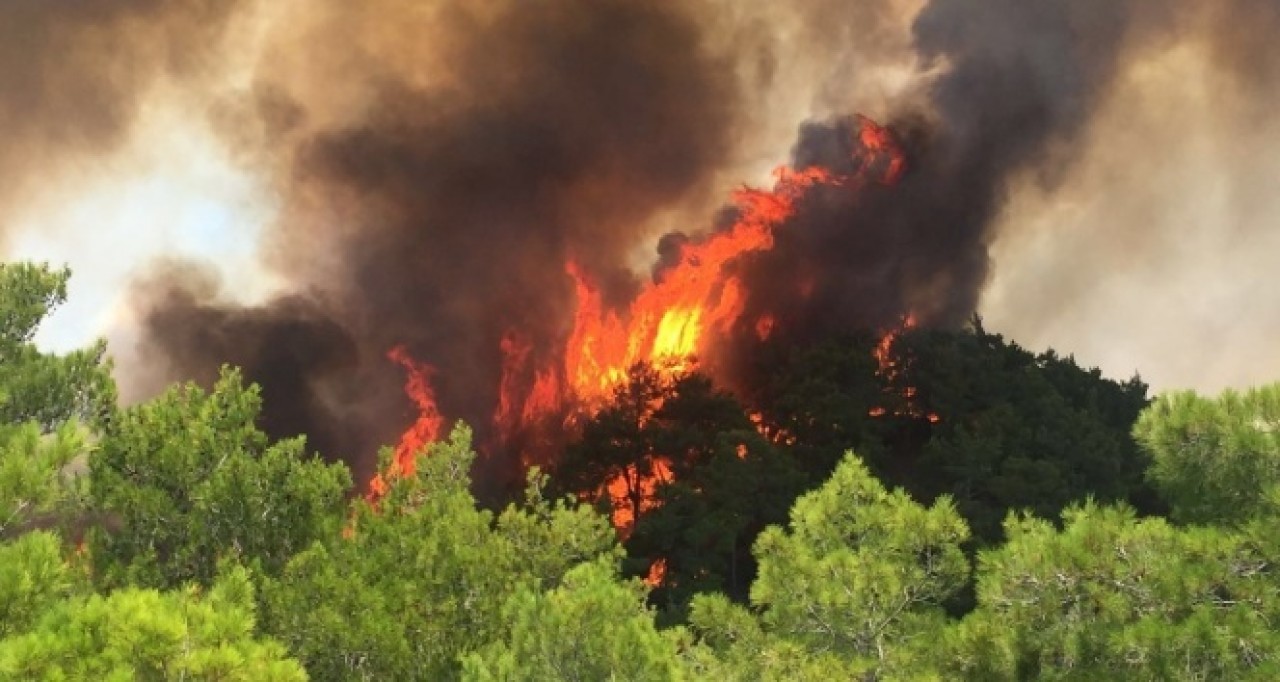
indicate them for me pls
(434, 203)
(437, 164)
(74, 76)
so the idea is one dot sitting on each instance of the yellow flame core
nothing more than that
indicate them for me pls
(678, 333)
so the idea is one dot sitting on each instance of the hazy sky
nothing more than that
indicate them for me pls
(171, 192)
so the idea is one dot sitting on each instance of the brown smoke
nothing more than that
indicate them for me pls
(1155, 252)
(74, 74)
(433, 195)
(438, 163)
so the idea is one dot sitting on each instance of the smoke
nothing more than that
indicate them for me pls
(74, 75)
(436, 164)
(290, 346)
(1015, 115)
(1154, 252)
(438, 173)
(432, 198)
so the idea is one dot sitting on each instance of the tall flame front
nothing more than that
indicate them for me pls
(693, 303)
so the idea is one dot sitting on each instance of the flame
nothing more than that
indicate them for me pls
(425, 428)
(888, 367)
(634, 492)
(885, 359)
(764, 327)
(657, 573)
(881, 148)
(772, 432)
(543, 396)
(694, 303)
(667, 322)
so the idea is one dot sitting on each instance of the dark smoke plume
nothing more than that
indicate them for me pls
(556, 131)
(438, 166)
(1020, 82)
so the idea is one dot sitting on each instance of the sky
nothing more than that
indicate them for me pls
(171, 192)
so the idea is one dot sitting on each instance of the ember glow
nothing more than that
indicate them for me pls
(634, 491)
(889, 367)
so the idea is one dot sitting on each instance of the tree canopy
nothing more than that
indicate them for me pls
(1008, 516)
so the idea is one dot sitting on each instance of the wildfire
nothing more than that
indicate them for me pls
(886, 361)
(764, 327)
(888, 367)
(668, 321)
(694, 303)
(634, 491)
(657, 573)
(426, 427)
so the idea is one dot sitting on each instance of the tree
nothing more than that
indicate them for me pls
(46, 402)
(45, 389)
(33, 481)
(591, 627)
(34, 577)
(698, 483)
(1016, 430)
(421, 580)
(1112, 596)
(966, 414)
(149, 635)
(822, 397)
(1213, 460)
(188, 479)
(858, 582)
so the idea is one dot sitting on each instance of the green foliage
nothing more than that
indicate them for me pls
(1114, 597)
(1018, 431)
(1213, 459)
(423, 579)
(427, 585)
(136, 634)
(822, 397)
(188, 479)
(1014, 430)
(42, 399)
(32, 478)
(33, 578)
(550, 537)
(592, 627)
(35, 387)
(857, 581)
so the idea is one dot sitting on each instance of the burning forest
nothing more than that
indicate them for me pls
(495, 225)
(487, 339)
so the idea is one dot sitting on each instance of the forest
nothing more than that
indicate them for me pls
(971, 510)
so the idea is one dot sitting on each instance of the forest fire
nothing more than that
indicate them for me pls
(889, 368)
(425, 428)
(693, 304)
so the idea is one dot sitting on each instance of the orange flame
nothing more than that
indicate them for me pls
(634, 492)
(657, 573)
(425, 428)
(888, 368)
(693, 305)
(666, 323)
(764, 327)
